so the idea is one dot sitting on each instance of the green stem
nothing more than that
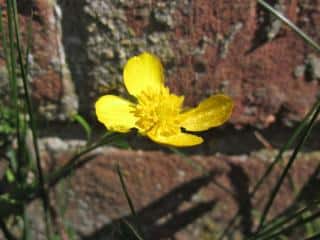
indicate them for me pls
(44, 194)
(275, 223)
(125, 190)
(288, 166)
(290, 227)
(285, 20)
(74, 161)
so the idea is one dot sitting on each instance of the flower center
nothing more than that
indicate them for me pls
(158, 112)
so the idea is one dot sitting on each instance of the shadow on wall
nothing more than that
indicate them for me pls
(163, 218)
(74, 38)
(150, 216)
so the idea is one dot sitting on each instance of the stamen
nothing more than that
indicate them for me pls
(158, 112)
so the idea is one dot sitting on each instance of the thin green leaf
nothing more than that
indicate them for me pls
(126, 193)
(125, 190)
(301, 142)
(297, 130)
(26, 227)
(133, 230)
(66, 169)
(282, 220)
(291, 227)
(84, 124)
(12, 9)
(285, 20)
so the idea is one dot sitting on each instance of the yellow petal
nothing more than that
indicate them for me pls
(211, 112)
(115, 113)
(143, 73)
(178, 140)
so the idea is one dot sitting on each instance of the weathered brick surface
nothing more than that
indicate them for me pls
(173, 198)
(207, 47)
(78, 52)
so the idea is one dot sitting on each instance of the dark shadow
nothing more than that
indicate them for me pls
(240, 182)
(29, 8)
(261, 35)
(162, 218)
(308, 192)
(308, 196)
(74, 38)
(226, 139)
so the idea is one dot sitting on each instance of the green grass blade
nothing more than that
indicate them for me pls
(133, 230)
(277, 159)
(27, 99)
(13, 82)
(66, 169)
(285, 20)
(289, 164)
(297, 132)
(130, 203)
(26, 227)
(125, 190)
(291, 227)
(84, 124)
(280, 221)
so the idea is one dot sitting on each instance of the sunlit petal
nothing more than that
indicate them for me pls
(211, 112)
(178, 140)
(115, 113)
(143, 73)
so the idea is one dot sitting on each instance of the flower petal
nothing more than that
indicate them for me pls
(143, 73)
(178, 140)
(211, 112)
(115, 113)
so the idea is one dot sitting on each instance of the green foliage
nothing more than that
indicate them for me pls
(7, 126)
(84, 124)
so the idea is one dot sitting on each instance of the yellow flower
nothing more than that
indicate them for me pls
(158, 113)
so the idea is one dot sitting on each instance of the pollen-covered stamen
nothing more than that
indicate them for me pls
(158, 112)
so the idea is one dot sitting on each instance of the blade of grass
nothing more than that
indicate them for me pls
(134, 231)
(289, 164)
(292, 226)
(13, 83)
(298, 130)
(285, 20)
(278, 221)
(125, 190)
(308, 40)
(26, 227)
(127, 195)
(290, 142)
(84, 124)
(27, 99)
(66, 169)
